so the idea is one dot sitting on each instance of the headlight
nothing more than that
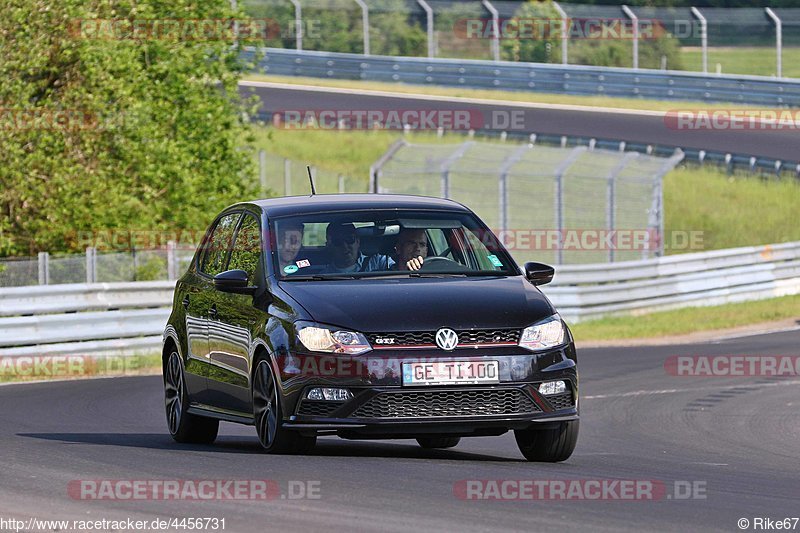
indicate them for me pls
(319, 338)
(542, 335)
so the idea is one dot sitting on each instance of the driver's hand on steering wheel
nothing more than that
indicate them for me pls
(415, 263)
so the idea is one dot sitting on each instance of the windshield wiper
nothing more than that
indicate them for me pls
(436, 275)
(320, 277)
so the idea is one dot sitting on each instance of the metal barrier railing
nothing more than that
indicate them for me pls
(532, 77)
(67, 318)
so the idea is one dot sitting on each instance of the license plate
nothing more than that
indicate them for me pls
(450, 373)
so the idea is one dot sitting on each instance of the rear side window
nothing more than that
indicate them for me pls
(215, 256)
(246, 252)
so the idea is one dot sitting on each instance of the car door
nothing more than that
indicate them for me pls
(199, 300)
(233, 325)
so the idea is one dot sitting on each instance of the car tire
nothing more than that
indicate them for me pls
(268, 416)
(548, 444)
(183, 426)
(438, 442)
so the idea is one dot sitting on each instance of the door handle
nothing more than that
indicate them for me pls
(185, 302)
(213, 311)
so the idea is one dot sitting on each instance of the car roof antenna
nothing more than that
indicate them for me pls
(308, 168)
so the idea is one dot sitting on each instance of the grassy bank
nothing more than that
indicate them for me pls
(59, 367)
(688, 320)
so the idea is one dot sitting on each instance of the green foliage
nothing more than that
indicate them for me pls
(155, 134)
(546, 49)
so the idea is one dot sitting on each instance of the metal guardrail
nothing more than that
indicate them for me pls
(64, 319)
(533, 77)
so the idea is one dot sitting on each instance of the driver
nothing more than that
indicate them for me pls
(411, 249)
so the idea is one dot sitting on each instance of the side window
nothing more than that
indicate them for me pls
(216, 253)
(246, 252)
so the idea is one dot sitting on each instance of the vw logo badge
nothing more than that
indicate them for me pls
(446, 339)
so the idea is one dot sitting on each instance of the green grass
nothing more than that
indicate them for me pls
(688, 320)
(731, 211)
(499, 95)
(757, 61)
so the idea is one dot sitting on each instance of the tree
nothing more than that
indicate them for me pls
(100, 130)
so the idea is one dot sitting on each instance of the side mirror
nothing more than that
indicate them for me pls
(234, 281)
(539, 273)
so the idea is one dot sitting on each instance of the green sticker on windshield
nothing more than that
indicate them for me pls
(290, 269)
(495, 261)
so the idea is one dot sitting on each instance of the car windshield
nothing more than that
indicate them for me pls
(400, 242)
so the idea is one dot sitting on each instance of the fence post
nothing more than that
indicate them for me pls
(703, 36)
(44, 268)
(365, 24)
(635, 20)
(495, 29)
(778, 39)
(611, 196)
(287, 177)
(445, 168)
(429, 16)
(561, 169)
(91, 265)
(262, 171)
(564, 33)
(298, 23)
(505, 169)
(172, 261)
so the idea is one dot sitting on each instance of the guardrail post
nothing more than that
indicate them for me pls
(172, 261)
(44, 268)
(778, 39)
(635, 20)
(365, 24)
(287, 177)
(298, 23)
(429, 16)
(341, 183)
(495, 29)
(703, 36)
(564, 33)
(262, 171)
(91, 265)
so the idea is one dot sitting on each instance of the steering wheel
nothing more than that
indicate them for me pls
(438, 263)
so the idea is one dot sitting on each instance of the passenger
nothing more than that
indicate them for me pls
(344, 248)
(289, 242)
(411, 249)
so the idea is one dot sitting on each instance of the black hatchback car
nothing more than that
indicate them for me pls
(366, 316)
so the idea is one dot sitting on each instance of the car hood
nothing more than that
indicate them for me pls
(417, 304)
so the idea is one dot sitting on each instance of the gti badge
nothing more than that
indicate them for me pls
(446, 339)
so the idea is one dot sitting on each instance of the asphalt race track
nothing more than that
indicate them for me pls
(738, 438)
(643, 127)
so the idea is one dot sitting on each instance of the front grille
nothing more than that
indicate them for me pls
(312, 408)
(416, 338)
(561, 401)
(421, 404)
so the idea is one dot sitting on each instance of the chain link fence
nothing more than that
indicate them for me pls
(726, 40)
(543, 201)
